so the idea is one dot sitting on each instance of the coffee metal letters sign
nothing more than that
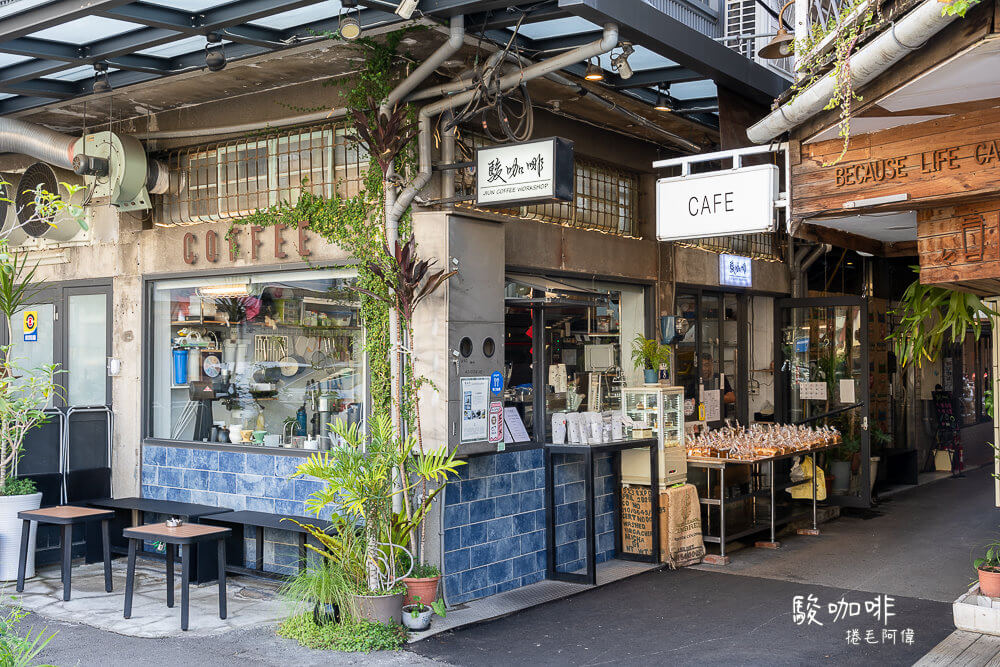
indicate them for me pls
(247, 242)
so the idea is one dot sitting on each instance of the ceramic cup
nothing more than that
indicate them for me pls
(258, 437)
(246, 435)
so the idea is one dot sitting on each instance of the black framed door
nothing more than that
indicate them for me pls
(822, 379)
(68, 325)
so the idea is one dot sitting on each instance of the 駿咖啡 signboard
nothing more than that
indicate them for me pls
(531, 172)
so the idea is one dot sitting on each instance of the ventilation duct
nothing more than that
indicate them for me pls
(59, 226)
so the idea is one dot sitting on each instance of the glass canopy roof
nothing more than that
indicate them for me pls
(48, 47)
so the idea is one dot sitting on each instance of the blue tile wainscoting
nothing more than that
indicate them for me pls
(238, 481)
(494, 520)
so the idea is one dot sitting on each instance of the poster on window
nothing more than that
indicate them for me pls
(475, 404)
(812, 391)
(713, 404)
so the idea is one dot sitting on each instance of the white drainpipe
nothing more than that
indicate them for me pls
(902, 37)
(607, 42)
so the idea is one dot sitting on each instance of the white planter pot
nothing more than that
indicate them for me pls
(873, 462)
(841, 471)
(10, 535)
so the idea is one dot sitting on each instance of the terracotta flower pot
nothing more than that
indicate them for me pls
(426, 588)
(989, 583)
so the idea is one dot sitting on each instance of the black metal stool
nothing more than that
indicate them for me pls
(66, 516)
(184, 536)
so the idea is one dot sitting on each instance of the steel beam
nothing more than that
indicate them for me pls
(641, 23)
(658, 76)
(50, 14)
(46, 87)
(41, 48)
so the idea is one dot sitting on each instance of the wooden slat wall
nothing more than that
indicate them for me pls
(944, 159)
(960, 245)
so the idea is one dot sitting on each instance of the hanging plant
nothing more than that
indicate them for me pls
(933, 316)
(958, 7)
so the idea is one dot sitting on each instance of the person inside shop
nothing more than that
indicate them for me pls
(705, 379)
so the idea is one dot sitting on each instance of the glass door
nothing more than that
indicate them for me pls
(822, 352)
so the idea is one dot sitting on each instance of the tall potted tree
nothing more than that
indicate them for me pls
(359, 482)
(24, 395)
(647, 355)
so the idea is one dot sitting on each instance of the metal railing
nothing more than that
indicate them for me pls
(229, 180)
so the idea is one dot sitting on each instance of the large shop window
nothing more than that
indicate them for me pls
(588, 332)
(263, 359)
(968, 367)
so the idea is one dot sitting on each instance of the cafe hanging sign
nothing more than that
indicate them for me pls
(718, 203)
(531, 172)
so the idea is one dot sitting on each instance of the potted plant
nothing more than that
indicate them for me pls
(417, 616)
(325, 588)
(988, 569)
(648, 355)
(24, 395)
(422, 584)
(359, 480)
(840, 468)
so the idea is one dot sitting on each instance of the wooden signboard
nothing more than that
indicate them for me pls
(936, 162)
(960, 246)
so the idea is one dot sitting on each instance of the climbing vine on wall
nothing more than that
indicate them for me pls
(356, 223)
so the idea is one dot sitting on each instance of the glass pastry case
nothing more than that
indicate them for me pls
(655, 412)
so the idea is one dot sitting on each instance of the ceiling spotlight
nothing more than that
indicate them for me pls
(594, 72)
(620, 61)
(101, 82)
(350, 26)
(215, 52)
(662, 102)
(782, 44)
(406, 8)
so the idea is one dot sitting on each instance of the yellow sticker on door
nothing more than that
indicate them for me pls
(30, 325)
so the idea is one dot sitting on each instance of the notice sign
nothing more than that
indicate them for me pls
(529, 172)
(738, 201)
(30, 326)
(495, 423)
(735, 271)
(475, 403)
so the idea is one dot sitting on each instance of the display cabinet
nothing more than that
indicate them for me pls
(655, 412)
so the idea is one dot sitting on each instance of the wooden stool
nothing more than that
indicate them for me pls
(184, 536)
(65, 516)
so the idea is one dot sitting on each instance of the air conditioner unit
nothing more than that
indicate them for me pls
(24, 224)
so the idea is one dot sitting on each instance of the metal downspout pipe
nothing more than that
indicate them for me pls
(607, 42)
(18, 136)
(802, 260)
(904, 36)
(456, 37)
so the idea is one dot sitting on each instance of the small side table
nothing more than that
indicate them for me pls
(66, 516)
(183, 536)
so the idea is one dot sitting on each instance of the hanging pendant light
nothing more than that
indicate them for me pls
(782, 44)
(101, 82)
(594, 72)
(350, 26)
(215, 52)
(662, 102)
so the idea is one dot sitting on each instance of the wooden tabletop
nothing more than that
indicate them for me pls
(186, 533)
(65, 514)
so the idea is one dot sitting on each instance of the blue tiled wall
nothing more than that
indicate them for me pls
(494, 520)
(238, 481)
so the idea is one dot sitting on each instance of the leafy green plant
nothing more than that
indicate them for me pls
(648, 354)
(17, 650)
(325, 583)
(24, 393)
(363, 636)
(359, 481)
(931, 316)
(991, 561)
(439, 608)
(18, 487)
(424, 571)
(418, 607)
(958, 7)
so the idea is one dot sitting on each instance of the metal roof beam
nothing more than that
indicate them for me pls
(643, 24)
(41, 48)
(21, 102)
(566, 42)
(56, 12)
(156, 16)
(658, 76)
(45, 87)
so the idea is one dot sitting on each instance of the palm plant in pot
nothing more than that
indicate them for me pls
(24, 395)
(359, 480)
(648, 355)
